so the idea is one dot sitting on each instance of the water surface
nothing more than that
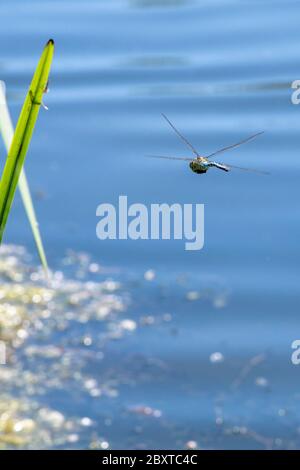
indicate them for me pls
(220, 70)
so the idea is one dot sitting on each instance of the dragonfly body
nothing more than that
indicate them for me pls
(200, 164)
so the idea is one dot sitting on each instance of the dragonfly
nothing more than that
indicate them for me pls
(200, 164)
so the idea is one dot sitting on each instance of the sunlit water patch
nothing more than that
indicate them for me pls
(46, 353)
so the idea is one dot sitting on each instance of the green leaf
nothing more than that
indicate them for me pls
(7, 131)
(23, 133)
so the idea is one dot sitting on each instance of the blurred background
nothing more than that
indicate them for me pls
(143, 344)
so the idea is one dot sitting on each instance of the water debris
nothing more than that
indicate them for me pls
(219, 416)
(145, 411)
(147, 320)
(87, 341)
(99, 445)
(86, 422)
(248, 367)
(216, 358)
(94, 268)
(167, 317)
(220, 300)
(129, 325)
(47, 352)
(54, 418)
(149, 275)
(261, 382)
(193, 295)
(282, 412)
(192, 445)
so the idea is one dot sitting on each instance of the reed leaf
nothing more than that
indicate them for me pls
(22, 136)
(7, 131)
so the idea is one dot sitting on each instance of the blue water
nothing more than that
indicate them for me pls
(220, 70)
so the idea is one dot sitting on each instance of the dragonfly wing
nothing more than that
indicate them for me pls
(244, 141)
(170, 158)
(184, 139)
(253, 170)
